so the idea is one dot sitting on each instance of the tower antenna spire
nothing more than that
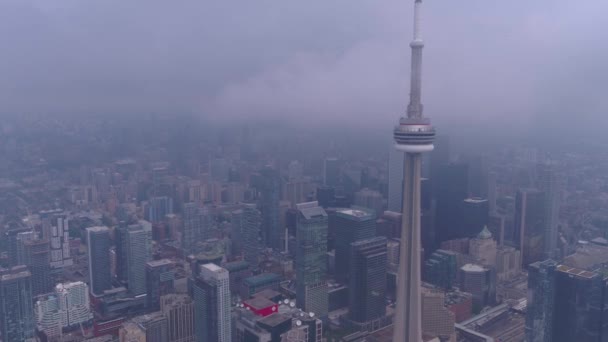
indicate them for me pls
(414, 109)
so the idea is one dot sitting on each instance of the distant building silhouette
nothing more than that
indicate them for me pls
(98, 240)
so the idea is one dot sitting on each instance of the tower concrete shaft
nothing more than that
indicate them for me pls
(413, 135)
(407, 324)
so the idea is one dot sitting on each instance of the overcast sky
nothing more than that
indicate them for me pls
(515, 63)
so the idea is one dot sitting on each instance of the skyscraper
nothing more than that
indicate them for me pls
(351, 225)
(100, 278)
(179, 311)
(331, 172)
(59, 240)
(35, 255)
(158, 208)
(159, 282)
(549, 184)
(474, 217)
(74, 303)
(413, 135)
(196, 227)
(311, 258)
(246, 224)
(137, 253)
(67, 307)
(530, 223)
(368, 279)
(541, 292)
(16, 306)
(12, 245)
(566, 304)
(191, 225)
(212, 305)
(269, 206)
(580, 309)
(451, 189)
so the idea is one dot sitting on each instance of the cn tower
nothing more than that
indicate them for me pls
(413, 135)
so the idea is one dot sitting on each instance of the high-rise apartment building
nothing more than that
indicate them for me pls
(100, 278)
(58, 236)
(549, 184)
(367, 284)
(191, 225)
(49, 317)
(12, 245)
(246, 224)
(270, 189)
(145, 328)
(196, 227)
(211, 292)
(138, 240)
(311, 258)
(35, 254)
(16, 306)
(67, 307)
(437, 320)
(159, 282)
(351, 225)
(74, 303)
(179, 311)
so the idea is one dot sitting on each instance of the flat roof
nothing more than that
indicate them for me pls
(161, 262)
(576, 272)
(274, 320)
(98, 229)
(213, 267)
(236, 266)
(472, 268)
(16, 275)
(259, 302)
(263, 278)
(314, 211)
(475, 200)
(355, 213)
